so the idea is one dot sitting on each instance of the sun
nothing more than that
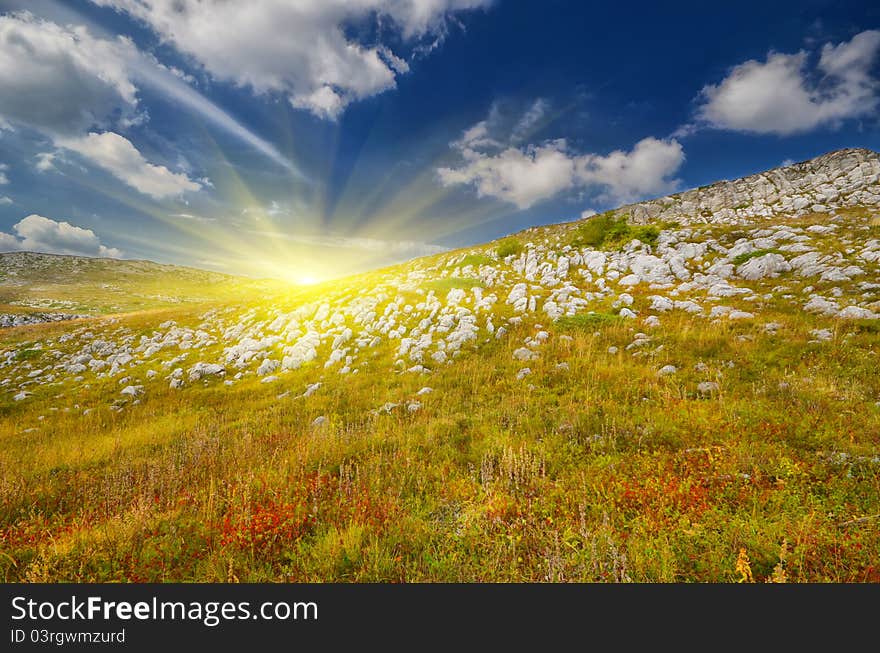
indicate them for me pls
(299, 277)
(305, 280)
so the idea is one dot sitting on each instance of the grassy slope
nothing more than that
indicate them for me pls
(601, 472)
(94, 285)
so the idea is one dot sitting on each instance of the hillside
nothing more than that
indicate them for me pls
(681, 389)
(79, 284)
(840, 179)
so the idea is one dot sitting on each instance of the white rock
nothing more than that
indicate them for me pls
(268, 366)
(856, 313)
(523, 373)
(768, 265)
(523, 354)
(707, 388)
(688, 306)
(311, 389)
(133, 390)
(662, 304)
(200, 370)
(822, 334)
(821, 305)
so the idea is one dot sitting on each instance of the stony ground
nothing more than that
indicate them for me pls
(693, 400)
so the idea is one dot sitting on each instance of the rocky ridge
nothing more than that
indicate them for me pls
(839, 179)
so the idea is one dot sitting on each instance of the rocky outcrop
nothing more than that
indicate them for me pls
(839, 179)
(26, 319)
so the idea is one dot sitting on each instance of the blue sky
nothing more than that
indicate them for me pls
(314, 138)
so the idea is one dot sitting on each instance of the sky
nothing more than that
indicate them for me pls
(309, 139)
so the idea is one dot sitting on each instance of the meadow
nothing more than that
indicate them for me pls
(603, 471)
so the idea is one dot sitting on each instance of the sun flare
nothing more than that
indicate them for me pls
(306, 280)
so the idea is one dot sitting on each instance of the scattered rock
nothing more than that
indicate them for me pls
(707, 388)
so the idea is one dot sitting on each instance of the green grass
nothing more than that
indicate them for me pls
(477, 260)
(444, 285)
(509, 247)
(742, 258)
(589, 321)
(28, 354)
(608, 231)
(867, 326)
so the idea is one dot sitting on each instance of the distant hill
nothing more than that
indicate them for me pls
(82, 284)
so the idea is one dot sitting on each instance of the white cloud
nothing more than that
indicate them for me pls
(645, 170)
(5, 201)
(194, 218)
(786, 94)
(3, 178)
(519, 176)
(61, 80)
(38, 234)
(299, 49)
(409, 248)
(527, 175)
(150, 73)
(530, 119)
(120, 158)
(45, 161)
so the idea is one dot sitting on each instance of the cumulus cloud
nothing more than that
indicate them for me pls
(36, 233)
(60, 79)
(791, 93)
(647, 169)
(63, 82)
(5, 201)
(120, 158)
(3, 178)
(519, 176)
(303, 50)
(526, 175)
